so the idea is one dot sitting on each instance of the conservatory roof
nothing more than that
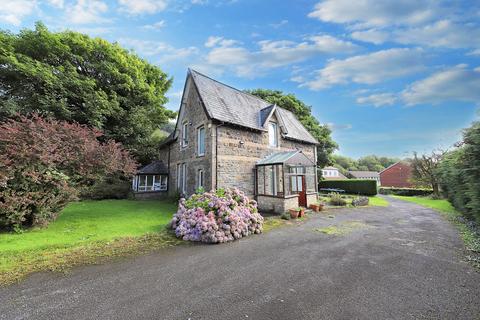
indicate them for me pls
(156, 167)
(295, 157)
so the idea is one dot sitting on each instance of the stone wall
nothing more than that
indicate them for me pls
(150, 195)
(277, 205)
(312, 198)
(238, 151)
(194, 115)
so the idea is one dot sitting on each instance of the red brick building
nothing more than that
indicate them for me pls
(397, 175)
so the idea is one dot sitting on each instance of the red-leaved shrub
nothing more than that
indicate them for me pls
(45, 163)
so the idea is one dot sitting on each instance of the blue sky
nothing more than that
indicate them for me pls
(389, 77)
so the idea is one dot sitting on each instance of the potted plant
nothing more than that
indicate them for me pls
(320, 206)
(301, 212)
(293, 213)
(315, 207)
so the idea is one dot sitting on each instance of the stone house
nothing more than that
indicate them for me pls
(227, 138)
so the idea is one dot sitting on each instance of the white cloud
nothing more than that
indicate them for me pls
(475, 52)
(13, 11)
(378, 99)
(279, 24)
(213, 41)
(458, 83)
(271, 54)
(375, 13)
(162, 50)
(135, 7)
(443, 33)
(339, 126)
(56, 3)
(372, 35)
(86, 11)
(155, 26)
(368, 69)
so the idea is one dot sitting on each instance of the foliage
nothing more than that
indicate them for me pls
(304, 113)
(367, 163)
(405, 191)
(459, 174)
(110, 187)
(70, 76)
(424, 169)
(353, 186)
(360, 201)
(45, 163)
(217, 217)
(377, 201)
(336, 199)
(86, 232)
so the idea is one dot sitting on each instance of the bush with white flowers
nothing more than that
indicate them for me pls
(217, 217)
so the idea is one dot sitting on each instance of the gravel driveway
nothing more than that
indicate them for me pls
(399, 262)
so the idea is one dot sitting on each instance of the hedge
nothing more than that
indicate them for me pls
(405, 191)
(459, 174)
(353, 186)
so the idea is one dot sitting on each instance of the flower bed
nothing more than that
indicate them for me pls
(217, 217)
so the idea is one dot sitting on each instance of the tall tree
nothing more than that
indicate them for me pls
(304, 113)
(424, 169)
(70, 76)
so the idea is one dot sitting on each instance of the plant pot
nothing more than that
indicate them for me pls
(301, 213)
(293, 213)
(315, 207)
(320, 207)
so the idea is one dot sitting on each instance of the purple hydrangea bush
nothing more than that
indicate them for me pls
(217, 217)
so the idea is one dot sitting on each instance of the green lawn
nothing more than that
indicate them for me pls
(85, 231)
(437, 204)
(377, 201)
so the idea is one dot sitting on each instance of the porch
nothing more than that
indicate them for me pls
(285, 180)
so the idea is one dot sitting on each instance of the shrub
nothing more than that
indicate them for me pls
(217, 217)
(360, 201)
(110, 187)
(336, 199)
(44, 164)
(405, 191)
(459, 174)
(355, 186)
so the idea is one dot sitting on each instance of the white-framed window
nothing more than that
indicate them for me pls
(149, 182)
(184, 134)
(272, 134)
(184, 178)
(201, 141)
(200, 178)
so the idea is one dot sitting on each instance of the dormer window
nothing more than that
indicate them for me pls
(184, 134)
(272, 134)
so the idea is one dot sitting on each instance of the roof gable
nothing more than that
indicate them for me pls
(227, 104)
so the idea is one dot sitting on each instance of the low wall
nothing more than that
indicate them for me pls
(150, 195)
(277, 205)
(312, 198)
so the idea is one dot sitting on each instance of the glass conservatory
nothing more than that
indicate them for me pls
(285, 180)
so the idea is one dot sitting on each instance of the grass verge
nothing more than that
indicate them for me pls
(469, 236)
(87, 232)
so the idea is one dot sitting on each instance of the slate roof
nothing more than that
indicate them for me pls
(156, 167)
(227, 104)
(364, 174)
